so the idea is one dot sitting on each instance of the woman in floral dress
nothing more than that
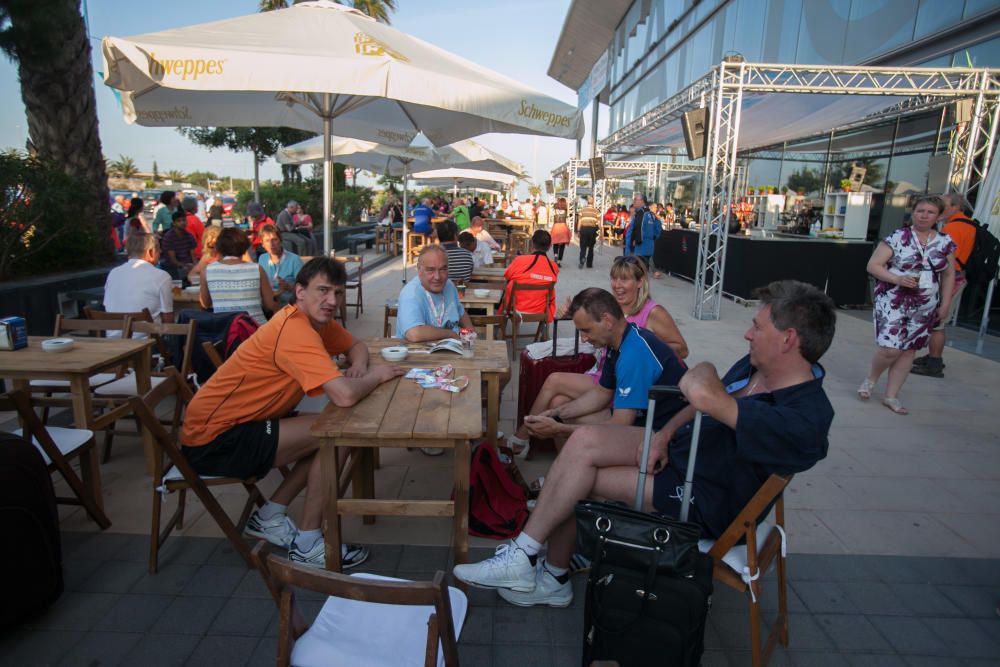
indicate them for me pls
(914, 267)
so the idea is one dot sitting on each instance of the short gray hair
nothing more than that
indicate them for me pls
(291, 203)
(959, 200)
(138, 243)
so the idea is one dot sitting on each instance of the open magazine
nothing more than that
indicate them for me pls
(444, 345)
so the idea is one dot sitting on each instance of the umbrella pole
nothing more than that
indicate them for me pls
(406, 235)
(327, 174)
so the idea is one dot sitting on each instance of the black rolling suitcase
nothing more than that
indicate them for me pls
(649, 588)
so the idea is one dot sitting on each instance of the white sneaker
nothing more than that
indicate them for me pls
(432, 451)
(278, 530)
(510, 568)
(351, 555)
(548, 590)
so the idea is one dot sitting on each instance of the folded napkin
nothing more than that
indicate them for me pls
(564, 347)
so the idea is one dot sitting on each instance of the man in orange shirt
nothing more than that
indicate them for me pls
(533, 269)
(240, 423)
(959, 226)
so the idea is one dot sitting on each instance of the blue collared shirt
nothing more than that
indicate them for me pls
(287, 269)
(417, 306)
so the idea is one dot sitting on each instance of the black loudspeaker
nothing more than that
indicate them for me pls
(695, 124)
(597, 168)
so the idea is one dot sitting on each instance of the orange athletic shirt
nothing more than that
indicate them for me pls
(267, 376)
(531, 270)
(964, 236)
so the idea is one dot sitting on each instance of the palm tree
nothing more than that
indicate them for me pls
(124, 167)
(175, 175)
(49, 42)
(377, 9)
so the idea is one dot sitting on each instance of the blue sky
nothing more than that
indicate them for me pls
(515, 38)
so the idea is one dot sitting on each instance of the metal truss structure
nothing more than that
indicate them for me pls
(722, 91)
(620, 169)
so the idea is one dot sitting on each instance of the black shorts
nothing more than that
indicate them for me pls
(668, 489)
(244, 451)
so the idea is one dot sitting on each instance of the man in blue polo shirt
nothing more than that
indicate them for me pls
(280, 265)
(429, 308)
(422, 215)
(768, 414)
(636, 360)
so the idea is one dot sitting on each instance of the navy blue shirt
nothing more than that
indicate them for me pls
(781, 432)
(422, 219)
(641, 361)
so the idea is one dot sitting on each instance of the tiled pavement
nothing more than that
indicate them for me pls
(906, 506)
(206, 607)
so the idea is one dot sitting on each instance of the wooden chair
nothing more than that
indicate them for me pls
(517, 318)
(481, 323)
(118, 391)
(417, 241)
(383, 238)
(360, 613)
(57, 446)
(389, 320)
(353, 285)
(745, 552)
(172, 473)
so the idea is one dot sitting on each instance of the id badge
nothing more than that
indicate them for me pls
(926, 280)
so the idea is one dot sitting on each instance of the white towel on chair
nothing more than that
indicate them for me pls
(564, 347)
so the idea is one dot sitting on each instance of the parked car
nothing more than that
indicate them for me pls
(150, 199)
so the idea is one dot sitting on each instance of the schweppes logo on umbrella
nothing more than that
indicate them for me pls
(185, 68)
(366, 45)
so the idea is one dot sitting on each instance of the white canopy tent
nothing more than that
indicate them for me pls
(319, 64)
(466, 178)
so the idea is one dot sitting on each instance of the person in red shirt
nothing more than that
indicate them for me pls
(533, 269)
(959, 226)
(258, 218)
(195, 226)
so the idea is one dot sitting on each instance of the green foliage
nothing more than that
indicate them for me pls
(156, 172)
(806, 180)
(175, 175)
(263, 142)
(123, 167)
(346, 204)
(200, 178)
(40, 230)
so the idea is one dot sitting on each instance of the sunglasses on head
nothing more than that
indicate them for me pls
(626, 259)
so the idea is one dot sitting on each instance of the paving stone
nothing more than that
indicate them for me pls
(567, 656)
(742, 658)
(733, 628)
(252, 586)
(75, 611)
(954, 571)
(37, 647)
(478, 627)
(188, 550)
(134, 613)
(213, 651)
(524, 625)
(384, 557)
(157, 650)
(188, 616)
(825, 597)
(817, 659)
(480, 655)
(423, 559)
(243, 617)
(852, 633)
(226, 554)
(874, 660)
(909, 635)
(101, 648)
(716, 658)
(932, 661)
(77, 571)
(813, 567)
(874, 597)
(973, 601)
(965, 638)
(925, 600)
(168, 580)
(215, 580)
(113, 576)
(481, 597)
(524, 655)
(265, 653)
(566, 626)
(114, 546)
(805, 634)
(897, 570)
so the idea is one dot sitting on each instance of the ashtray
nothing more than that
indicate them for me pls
(57, 344)
(396, 353)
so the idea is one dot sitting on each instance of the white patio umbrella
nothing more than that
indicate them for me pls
(322, 67)
(396, 161)
(473, 178)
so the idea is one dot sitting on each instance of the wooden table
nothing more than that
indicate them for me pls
(87, 357)
(398, 414)
(489, 358)
(187, 300)
(488, 273)
(488, 302)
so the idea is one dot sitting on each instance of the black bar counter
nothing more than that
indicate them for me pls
(834, 265)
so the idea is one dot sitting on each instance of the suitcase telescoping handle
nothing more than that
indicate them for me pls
(655, 392)
(555, 339)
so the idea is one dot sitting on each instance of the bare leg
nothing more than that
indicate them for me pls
(567, 385)
(296, 446)
(898, 372)
(883, 358)
(573, 476)
(936, 346)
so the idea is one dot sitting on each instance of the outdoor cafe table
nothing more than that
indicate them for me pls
(488, 302)
(489, 358)
(398, 413)
(87, 357)
(488, 273)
